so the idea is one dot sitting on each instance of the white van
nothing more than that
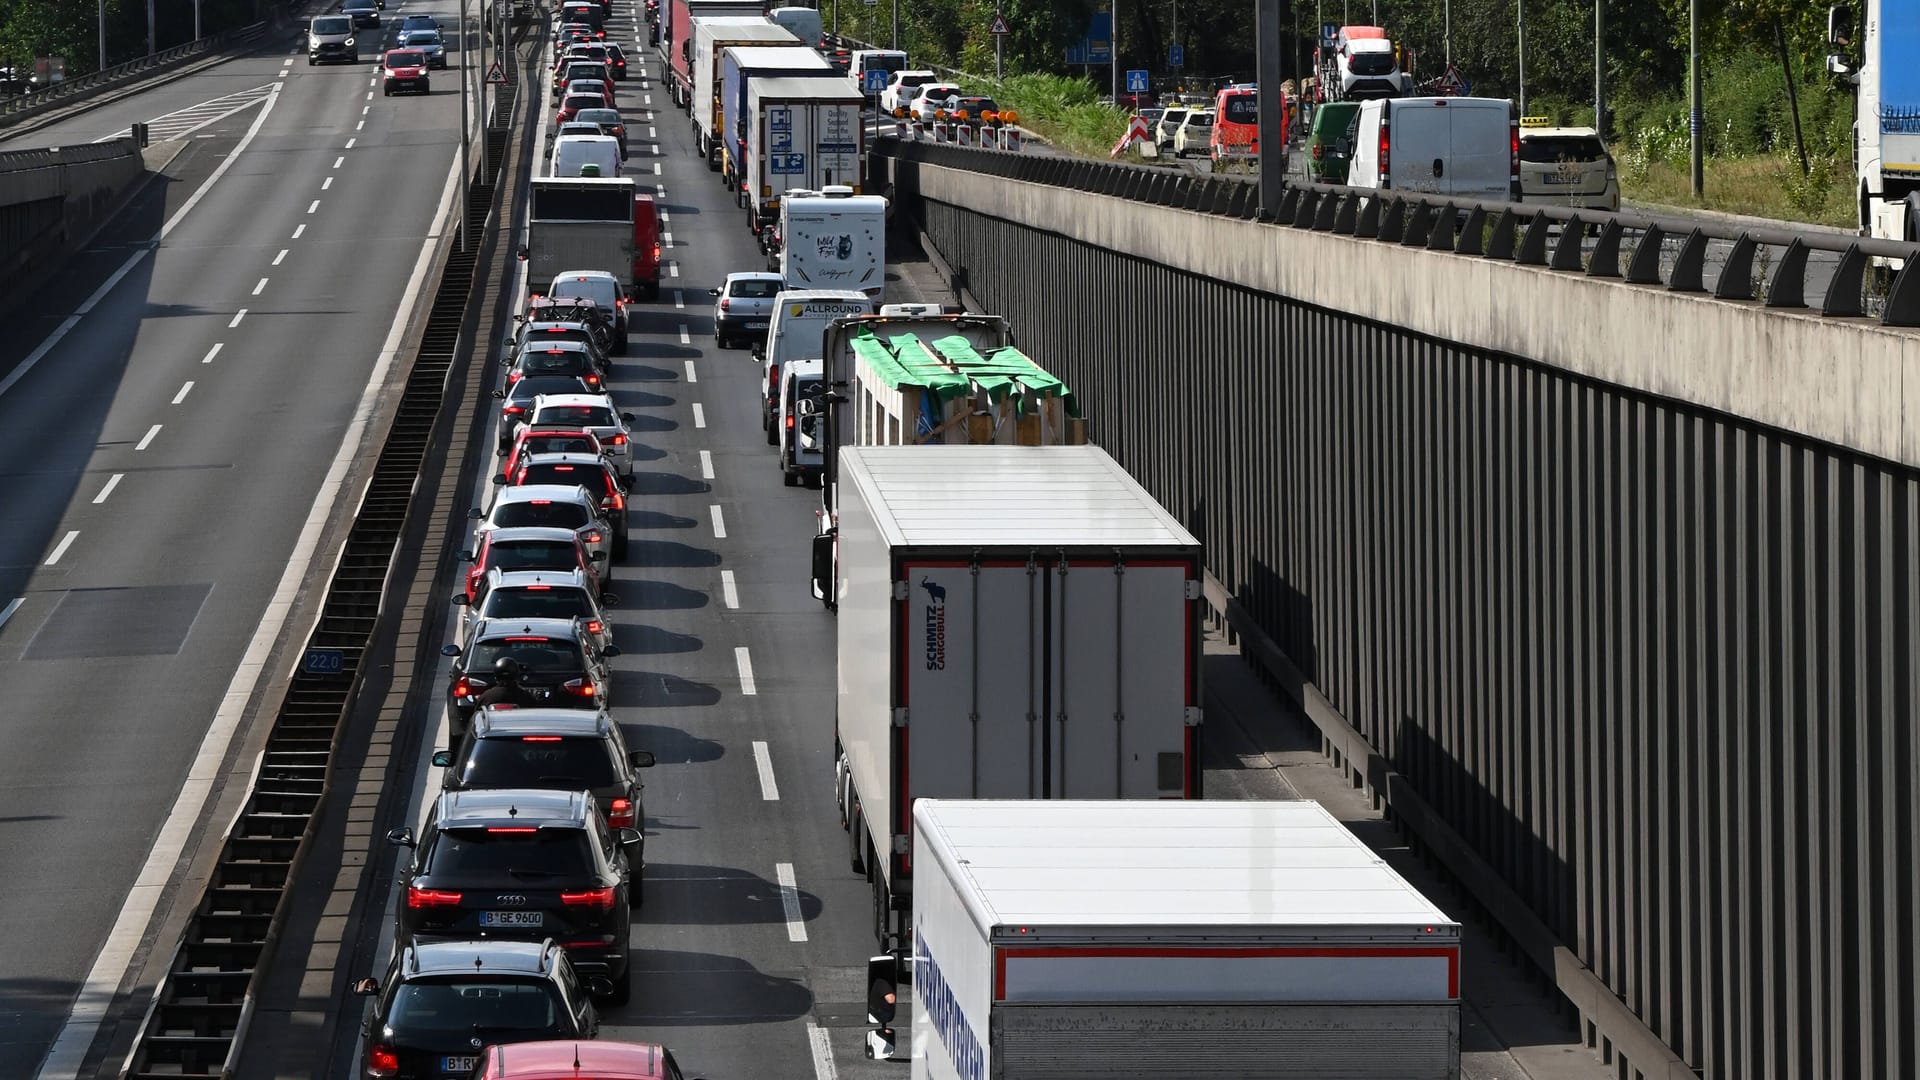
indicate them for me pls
(572, 154)
(800, 318)
(798, 428)
(1461, 146)
(864, 60)
(801, 22)
(834, 239)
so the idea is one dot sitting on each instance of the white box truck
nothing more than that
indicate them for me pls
(803, 132)
(1015, 623)
(581, 223)
(711, 39)
(1221, 939)
(834, 239)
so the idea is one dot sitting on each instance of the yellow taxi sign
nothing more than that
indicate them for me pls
(1536, 121)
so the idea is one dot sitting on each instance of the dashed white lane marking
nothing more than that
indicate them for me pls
(660, 190)
(237, 316)
(314, 206)
(745, 663)
(729, 592)
(327, 183)
(184, 391)
(369, 95)
(653, 132)
(692, 375)
(61, 548)
(719, 523)
(280, 258)
(685, 338)
(790, 902)
(649, 99)
(665, 217)
(261, 287)
(679, 298)
(147, 439)
(13, 606)
(213, 352)
(298, 231)
(359, 125)
(673, 269)
(706, 471)
(350, 143)
(337, 162)
(656, 149)
(822, 1045)
(656, 168)
(107, 488)
(282, 74)
(699, 416)
(666, 239)
(763, 761)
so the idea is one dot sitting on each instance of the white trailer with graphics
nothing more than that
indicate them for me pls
(1232, 940)
(1015, 623)
(804, 132)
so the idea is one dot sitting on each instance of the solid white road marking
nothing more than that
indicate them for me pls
(213, 352)
(822, 1045)
(699, 416)
(278, 259)
(327, 183)
(7, 612)
(107, 488)
(261, 287)
(706, 464)
(96, 993)
(745, 663)
(315, 205)
(298, 231)
(692, 376)
(719, 523)
(237, 316)
(769, 791)
(184, 391)
(61, 548)
(147, 439)
(790, 902)
(685, 339)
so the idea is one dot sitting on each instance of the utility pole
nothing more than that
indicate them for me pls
(103, 35)
(466, 132)
(196, 20)
(1599, 68)
(1113, 47)
(1446, 29)
(999, 40)
(1270, 104)
(1696, 122)
(896, 25)
(151, 43)
(1520, 16)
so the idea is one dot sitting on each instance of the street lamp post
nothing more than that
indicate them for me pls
(151, 43)
(102, 4)
(1696, 121)
(466, 131)
(1520, 17)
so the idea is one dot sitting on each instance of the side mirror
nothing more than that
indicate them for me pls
(459, 599)
(449, 650)
(640, 759)
(883, 982)
(366, 987)
(624, 837)
(626, 417)
(465, 556)
(521, 254)
(499, 395)
(500, 479)
(475, 514)
(610, 651)
(713, 292)
(599, 986)
(1839, 25)
(823, 564)
(443, 759)
(400, 837)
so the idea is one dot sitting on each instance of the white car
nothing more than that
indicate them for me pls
(596, 413)
(550, 506)
(538, 594)
(893, 98)
(1195, 135)
(743, 307)
(1169, 124)
(603, 289)
(932, 98)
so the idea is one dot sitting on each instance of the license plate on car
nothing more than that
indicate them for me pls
(1563, 178)
(513, 918)
(461, 1065)
(756, 326)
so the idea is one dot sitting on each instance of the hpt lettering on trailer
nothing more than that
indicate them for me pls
(949, 1020)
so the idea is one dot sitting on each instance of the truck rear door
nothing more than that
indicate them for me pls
(1480, 164)
(1419, 134)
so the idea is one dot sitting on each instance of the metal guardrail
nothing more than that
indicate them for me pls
(74, 154)
(18, 108)
(197, 1023)
(1640, 249)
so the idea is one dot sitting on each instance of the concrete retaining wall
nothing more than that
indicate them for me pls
(51, 200)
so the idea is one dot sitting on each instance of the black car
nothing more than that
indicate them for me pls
(545, 331)
(364, 13)
(524, 864)
(517, 400)
(557, 357)
(441, 1003)
(617, 60)
(575, 310)
(557, 658)
(570, 749)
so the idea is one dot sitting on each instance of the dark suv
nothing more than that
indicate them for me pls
(441, 1003)
(569, 749)
(558, 662)
(522, 864)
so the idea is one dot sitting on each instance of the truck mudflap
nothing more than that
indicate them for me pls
(1225, 1040)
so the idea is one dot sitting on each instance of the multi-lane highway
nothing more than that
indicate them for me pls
(172, 404)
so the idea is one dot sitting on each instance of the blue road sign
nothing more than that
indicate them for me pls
(875, 80)
(1329, 35)
(1136, 80)
(323, 662)
(1176, 56)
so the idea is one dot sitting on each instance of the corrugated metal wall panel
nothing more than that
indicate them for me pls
(1655, 665)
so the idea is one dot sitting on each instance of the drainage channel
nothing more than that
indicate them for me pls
(199, 1016)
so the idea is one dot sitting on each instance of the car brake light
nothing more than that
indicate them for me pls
(539, 738)
(619, 501)
(773, 378)
(462, 688)
(514, 410)
(595, 626)
(1386, 153)
(537, 588)
(594, 537)
(581, 687)
(383, 1060)
(725, 303)
(589, 897)
(789, 421)
(1513, 160)
(418, 897)
(563, 468)
(518, 829)
(620, 814)
(541, 502)
(620, 439)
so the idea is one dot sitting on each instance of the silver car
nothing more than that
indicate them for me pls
(552, 506)
(743, 307)
(595, 412)
(427, 41)
(600, 287)
(539, 594)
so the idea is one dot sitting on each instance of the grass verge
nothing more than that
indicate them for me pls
(1066, 112)
(1761, 186)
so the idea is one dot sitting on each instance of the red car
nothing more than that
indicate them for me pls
(573, 103)
(405, 69)
(572, 1059)
(528, 548)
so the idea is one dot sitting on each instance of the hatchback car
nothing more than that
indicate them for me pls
(556, 357)
(1567, 167)
(971, 108)
(552, 506)
(595, 413)
(1195, 135)
(516, 402)
(427, 41)
(600, 287)
(595, 52)
(551, 439)
(558, 664)
(404, 69)
(743, 306)
(571, 1061)
(527, 864)
(538, 594)
(590, 471)
(529, 548)
(418, 22)
(564, 749)
(576, 309)
(617, 61)
(438, 1000)
(608, 122)
(364, 13)
(1170, 122)
(931, 99)
(593, 71)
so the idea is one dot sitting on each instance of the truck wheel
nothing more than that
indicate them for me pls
(788, 478)
(857, 844)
